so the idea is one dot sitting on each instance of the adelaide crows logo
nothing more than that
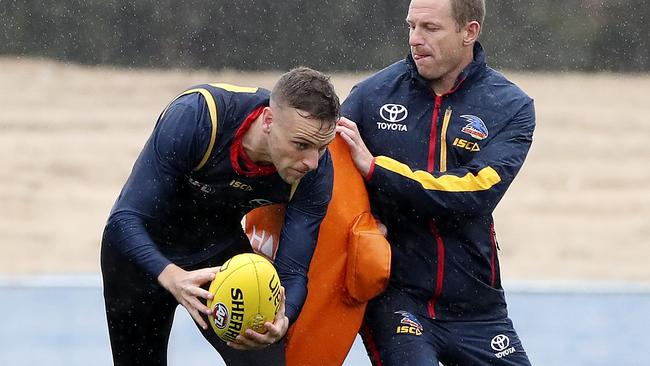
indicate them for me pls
(409, 319)
(475, 128)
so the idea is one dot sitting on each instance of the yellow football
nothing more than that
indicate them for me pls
(246, 295)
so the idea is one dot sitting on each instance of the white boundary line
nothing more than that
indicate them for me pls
(94, 280)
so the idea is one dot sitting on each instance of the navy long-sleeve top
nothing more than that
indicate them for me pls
(192, 184)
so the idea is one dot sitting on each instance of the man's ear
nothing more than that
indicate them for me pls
(267, 119)
(471, 33)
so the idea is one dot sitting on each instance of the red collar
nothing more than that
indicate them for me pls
(237, 152)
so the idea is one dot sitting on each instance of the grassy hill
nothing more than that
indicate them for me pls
(580, 208)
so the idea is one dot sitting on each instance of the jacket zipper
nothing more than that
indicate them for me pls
(434, 126)
(443, 140)
(440, 269)
(434, 133)
(493, 263)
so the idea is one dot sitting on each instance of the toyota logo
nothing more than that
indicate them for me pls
(393, 112)
(500, 342)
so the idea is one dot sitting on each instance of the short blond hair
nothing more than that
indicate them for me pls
(465, 11)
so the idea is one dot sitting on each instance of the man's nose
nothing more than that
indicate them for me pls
(311, 159)
(415, 38)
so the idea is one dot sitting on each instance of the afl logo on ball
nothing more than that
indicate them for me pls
(220, 315)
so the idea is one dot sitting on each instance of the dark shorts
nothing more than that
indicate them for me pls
(140, 313)
(397, 332)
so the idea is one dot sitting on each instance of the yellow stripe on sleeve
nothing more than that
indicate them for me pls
(485, 179)
(212, 108)
(234, 88)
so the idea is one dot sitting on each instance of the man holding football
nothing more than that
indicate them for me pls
(217, 151)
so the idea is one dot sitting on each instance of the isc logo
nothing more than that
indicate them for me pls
(240, 185)
(405, 329)
(467, 145)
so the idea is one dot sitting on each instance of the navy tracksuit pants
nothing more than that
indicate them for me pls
(397, 332)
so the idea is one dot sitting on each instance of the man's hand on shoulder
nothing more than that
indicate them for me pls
(360, 155)
(186, 288)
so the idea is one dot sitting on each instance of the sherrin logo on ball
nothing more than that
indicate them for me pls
(246, 295)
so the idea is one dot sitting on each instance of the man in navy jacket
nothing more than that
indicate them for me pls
(439, 137)
(217, 152)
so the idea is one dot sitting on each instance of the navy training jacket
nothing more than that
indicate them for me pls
(442, 163)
